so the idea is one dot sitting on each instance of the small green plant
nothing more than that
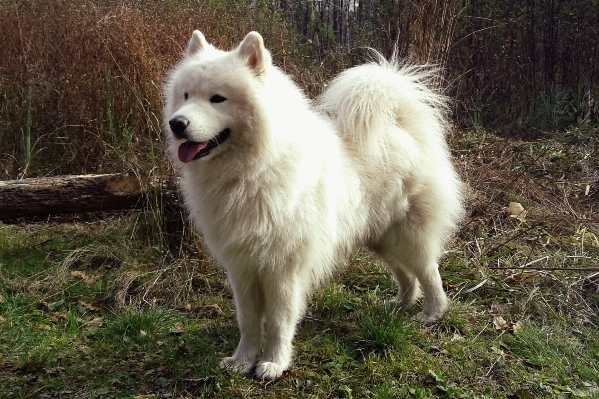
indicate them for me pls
(383, 329)
(140, 325)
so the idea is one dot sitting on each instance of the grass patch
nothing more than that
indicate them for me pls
(131, 306)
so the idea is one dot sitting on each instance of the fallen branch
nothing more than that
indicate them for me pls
(46, 196)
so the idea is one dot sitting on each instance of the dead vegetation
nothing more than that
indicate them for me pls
(81, 80)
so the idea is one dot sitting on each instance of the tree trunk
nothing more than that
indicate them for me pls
(46, 196)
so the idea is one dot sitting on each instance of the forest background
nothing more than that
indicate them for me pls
(80, 76)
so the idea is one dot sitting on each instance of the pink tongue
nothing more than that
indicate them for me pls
(189, 149)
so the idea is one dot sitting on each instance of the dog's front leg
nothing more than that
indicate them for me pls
(285, 301)
(249, 304)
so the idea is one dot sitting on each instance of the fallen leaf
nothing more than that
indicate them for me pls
(499, 323)
(210, 311)
(457, 337)
(517, 327)
(517, 211)
(89, 306)
(186, 308)
(95, 323)
(178, 326)
(450, 287)
(515, 208)
(436, 350)
(81, 341)
(41, 327)
(80, 274)
(177, 329)
(52, 306)
(57, 317)
(1, 299)
(435, 376)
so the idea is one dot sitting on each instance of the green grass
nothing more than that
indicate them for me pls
(124, 307)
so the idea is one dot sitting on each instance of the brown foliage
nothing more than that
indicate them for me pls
(80, 80)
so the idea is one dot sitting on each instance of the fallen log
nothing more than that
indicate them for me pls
(46, 196)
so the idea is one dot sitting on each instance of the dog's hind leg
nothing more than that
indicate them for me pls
(408, 287)
(412, 258)
(249, 304)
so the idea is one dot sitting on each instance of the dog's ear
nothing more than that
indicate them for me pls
(253, 52)
(197, 43)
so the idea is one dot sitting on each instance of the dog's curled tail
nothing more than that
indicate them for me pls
(365, 101)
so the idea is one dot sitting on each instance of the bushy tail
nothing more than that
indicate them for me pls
(365, 101)
(385, 109)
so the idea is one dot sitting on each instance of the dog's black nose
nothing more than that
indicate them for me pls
(178, 125)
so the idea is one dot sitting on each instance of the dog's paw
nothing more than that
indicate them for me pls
(268, 371)
(426, 318)
(237, 365)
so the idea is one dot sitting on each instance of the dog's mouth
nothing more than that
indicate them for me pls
(192, 150)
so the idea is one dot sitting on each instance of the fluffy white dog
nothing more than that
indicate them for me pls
(283, 190)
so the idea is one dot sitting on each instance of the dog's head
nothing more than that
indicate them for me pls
(211, 97)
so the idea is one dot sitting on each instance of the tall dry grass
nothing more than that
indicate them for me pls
(80, 80)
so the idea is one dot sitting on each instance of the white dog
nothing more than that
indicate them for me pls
(283, 190)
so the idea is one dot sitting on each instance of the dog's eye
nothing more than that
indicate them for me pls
(186, 96)
(217, 98)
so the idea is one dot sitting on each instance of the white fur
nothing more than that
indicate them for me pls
(297, 187)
